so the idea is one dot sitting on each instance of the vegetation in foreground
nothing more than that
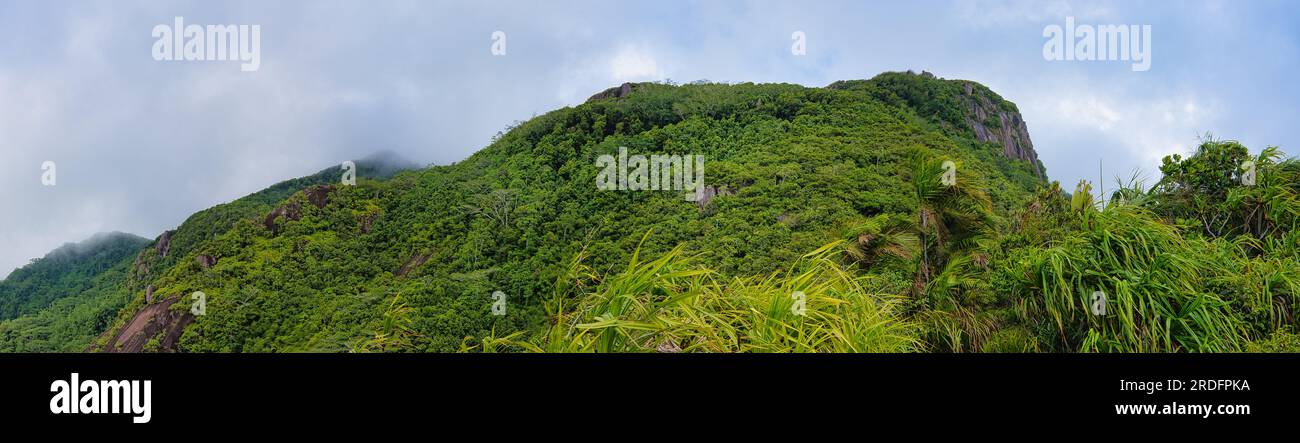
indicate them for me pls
(1170, 284)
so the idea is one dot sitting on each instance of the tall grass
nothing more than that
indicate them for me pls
(1266, 287)
(1155, 283)
(671, 304)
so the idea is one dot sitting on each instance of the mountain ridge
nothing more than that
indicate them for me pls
(987, 117)
(122, 273)
(505, 217)
(905, 209)
(75, 259)
(57, 302)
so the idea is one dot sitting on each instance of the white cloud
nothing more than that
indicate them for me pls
(987, 13)
(634, 64)
(1074, 131)
(1088, 111)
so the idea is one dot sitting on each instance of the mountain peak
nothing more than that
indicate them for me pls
(963, 107)
(64, 272)
(385, 163)
(71, 251)
(614, 92)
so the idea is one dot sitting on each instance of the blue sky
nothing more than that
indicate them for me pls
(141, 144)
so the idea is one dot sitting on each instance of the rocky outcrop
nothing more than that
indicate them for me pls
(319, 195)
(365, 221)
(148, 293)
(414, 262)
(140, 268)
(289, 211)
(156, 320)
(705, 194)
(615, 92)
(206, 261)
(992, 122)
(960, 107)
(164, 243)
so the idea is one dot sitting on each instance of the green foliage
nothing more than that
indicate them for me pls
(672, 305)
(1011, 340)
(60, 302)
(1170, 283)
(1209, 189)
(798, 165)
(1154, 281)
(901, 261)
(65, 271)
(1279, 341)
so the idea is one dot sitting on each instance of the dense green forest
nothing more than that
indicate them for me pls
(904, 213)
(58, 301)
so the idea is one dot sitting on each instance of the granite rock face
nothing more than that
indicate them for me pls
(615, 92)
(993, 123)
(154, 321)
(164, 243)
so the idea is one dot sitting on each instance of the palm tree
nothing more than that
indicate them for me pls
(874, 239)
(1271, 206)
(955, 216)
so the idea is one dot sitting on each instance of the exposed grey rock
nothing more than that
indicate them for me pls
(414, 262)
(705, 194)
(615, 92)
(319, 195)
(154, 320)
(1011, 131)
(290, 211)
(206, 261)
(164, 243)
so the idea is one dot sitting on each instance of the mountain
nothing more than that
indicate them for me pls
(63, 301)
(62, 272)
(384, 164)
(900, 213)
(962, 108)
(412, 263)
(77, 287)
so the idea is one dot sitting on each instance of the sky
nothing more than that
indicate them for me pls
(139, 144)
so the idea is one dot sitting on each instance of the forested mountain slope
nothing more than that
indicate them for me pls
(62, 302)
(900, 213)
(71, 292)
(412, 263)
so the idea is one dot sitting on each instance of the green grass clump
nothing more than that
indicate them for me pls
(1279, 341)
(670, 304)
(1153, 280)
